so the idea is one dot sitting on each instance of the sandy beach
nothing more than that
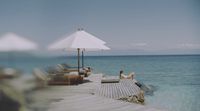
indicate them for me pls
(80, 97)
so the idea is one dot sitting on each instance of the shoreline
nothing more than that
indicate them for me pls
(91, 95)
(77, 97)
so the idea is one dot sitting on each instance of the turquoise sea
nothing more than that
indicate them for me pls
(176, 77)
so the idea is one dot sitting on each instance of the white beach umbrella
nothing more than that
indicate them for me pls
(80, 40)
(11, 42)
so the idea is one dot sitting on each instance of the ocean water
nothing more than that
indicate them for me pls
(176, 77)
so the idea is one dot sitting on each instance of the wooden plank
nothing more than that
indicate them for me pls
(117, 90)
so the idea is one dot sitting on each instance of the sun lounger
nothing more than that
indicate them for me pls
(66, 79)
(110, 81)
(40, 77)
(8, 73)
(86, 71)
(56, 79)
(129, 76)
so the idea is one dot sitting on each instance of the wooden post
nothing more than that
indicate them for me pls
(78, 60)
(82, 59)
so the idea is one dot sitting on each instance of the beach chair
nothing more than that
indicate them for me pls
(86, 71)
(129, 76)
(41, 78)
(110, 81)
(44, 79)
(9, 73)
(63, 68)
(69, 78)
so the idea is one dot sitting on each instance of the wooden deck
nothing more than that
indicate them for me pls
(124, 88)
(86, 97)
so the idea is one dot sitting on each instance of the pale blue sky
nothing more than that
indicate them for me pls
(132, 26)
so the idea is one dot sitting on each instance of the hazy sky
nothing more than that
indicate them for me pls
(132, 25)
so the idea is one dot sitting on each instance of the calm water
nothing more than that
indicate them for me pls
(177, 78)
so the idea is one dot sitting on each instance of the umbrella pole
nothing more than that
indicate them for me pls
(82, 59)
(78, 61)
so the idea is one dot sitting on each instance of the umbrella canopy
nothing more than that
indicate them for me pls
(12, 42)
(80, 40)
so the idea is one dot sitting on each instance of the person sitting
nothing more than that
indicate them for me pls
(129, 76)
